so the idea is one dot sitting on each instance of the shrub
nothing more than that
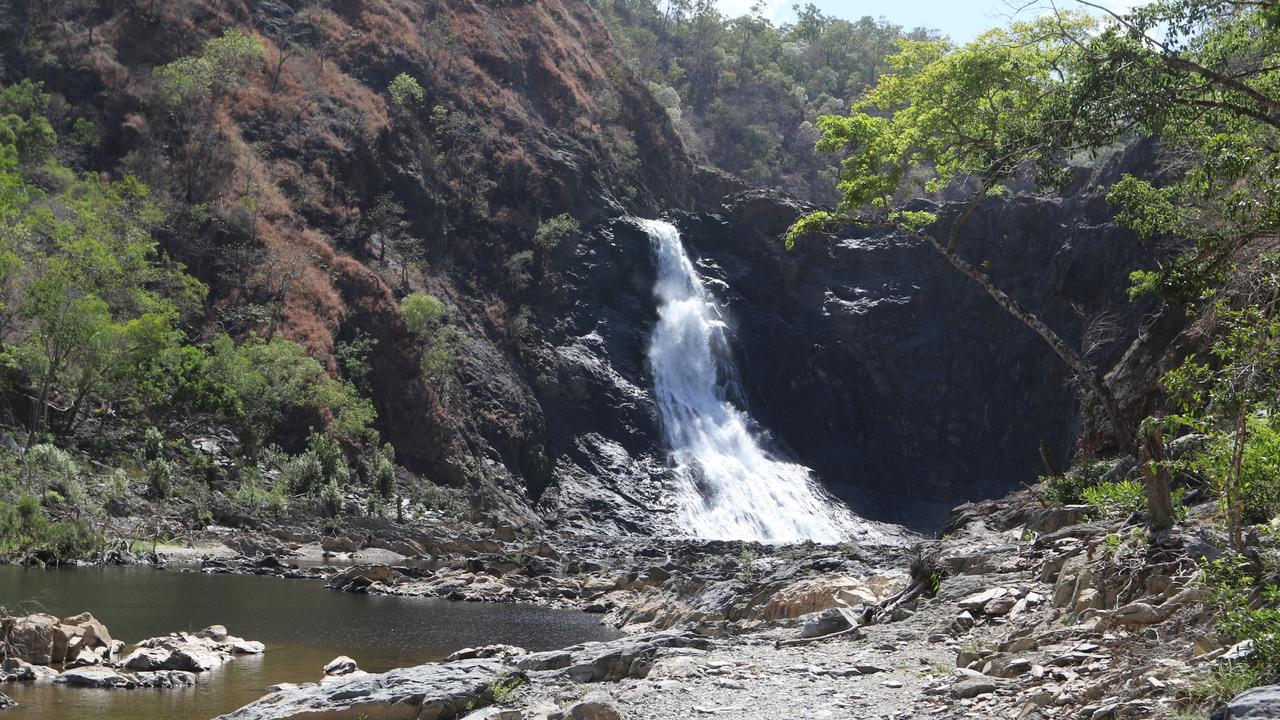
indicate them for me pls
(159, 479)
(421, 313)
(331, 499)
(1233, 594)
(152, 444)
(45, 465)
(1116, 499)
(384, 472)
(405, 90)
(1069, 489)
(302, 474)
(555, 231)
(451, 502)
(25, 528)
(1259, 469)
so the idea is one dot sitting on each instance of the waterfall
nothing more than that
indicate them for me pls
(730, 486)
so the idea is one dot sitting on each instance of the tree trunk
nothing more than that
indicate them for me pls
(1155, 475)
(1234, 522)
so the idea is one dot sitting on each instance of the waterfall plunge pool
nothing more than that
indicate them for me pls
(303, 625)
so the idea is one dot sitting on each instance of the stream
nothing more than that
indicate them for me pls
(303, 625)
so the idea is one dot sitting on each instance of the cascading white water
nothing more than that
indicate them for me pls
(731, 487)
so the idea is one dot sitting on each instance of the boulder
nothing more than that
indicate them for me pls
(831, 620)
(43, 639)
(95, 677)
(1260, 703)
(95, 633)
(424, 692)
(486, 651)
(817, 594)
(146, 659)
(30, 638)
(977, 602)
(192, 658)
(7, 702)
(339, 545)
(15, 670)
(972, 688)
(216, 633)
(595, 706)
(359, 577)
(341, 665)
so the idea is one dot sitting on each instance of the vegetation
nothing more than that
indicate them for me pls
(1069, 488)
(1246, 610)
(712, 73)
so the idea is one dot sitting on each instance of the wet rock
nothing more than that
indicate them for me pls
(109, 679)
(7, 702)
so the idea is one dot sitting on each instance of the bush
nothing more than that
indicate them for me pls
(45, 465)
(451, 502)
(405, 90)
(331, 499)
(421, 313)
(159, 479)
(1259, 469)
(1116, 499)
(25, 528)
(302, 474)
(1232, 593)
(1069, 489)
(555, 231)
(321, 464)
(152, 444)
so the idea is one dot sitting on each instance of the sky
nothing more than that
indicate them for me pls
(962, 20)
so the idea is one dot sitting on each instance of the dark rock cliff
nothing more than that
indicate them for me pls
(867, 358)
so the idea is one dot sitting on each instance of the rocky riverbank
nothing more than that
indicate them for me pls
(1037, 612)
(1026, 611)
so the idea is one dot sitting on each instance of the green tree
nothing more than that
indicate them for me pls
(405, 90)
(190, 90)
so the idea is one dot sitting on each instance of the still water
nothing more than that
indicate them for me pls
(303, 625)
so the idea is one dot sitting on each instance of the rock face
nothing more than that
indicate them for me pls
(895, 377)
(867, 357)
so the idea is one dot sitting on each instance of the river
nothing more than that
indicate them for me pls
(303, 625)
